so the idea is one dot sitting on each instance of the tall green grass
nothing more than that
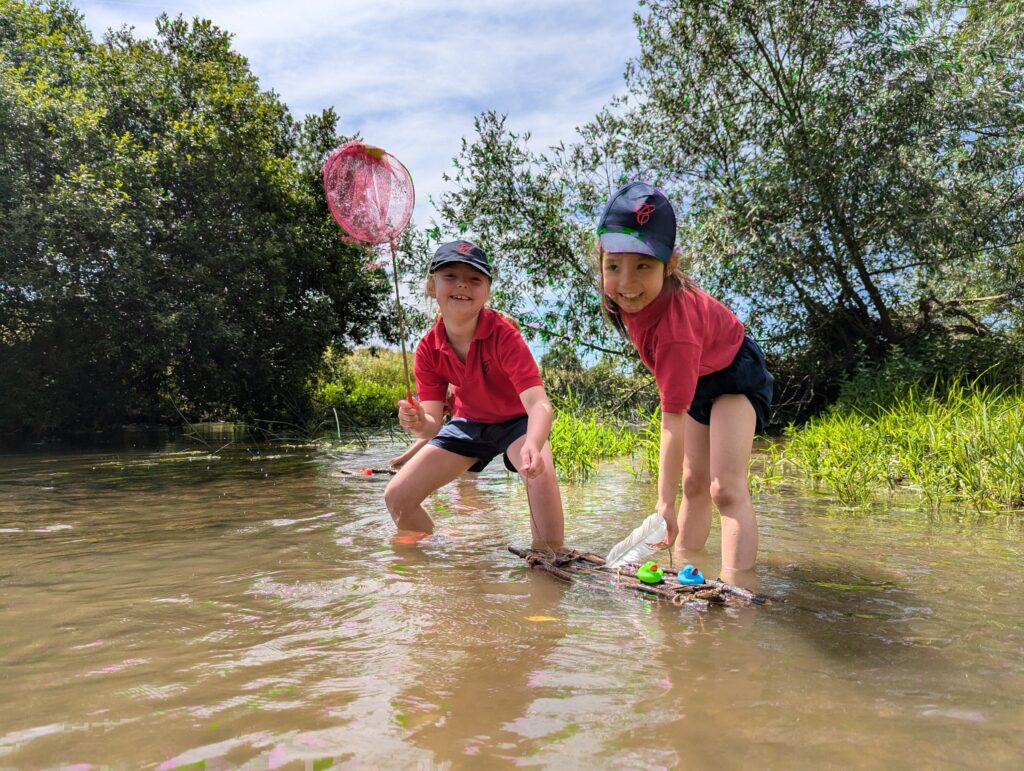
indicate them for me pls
(964, 446)
(582, 437)
(765, 465)
(647, 451)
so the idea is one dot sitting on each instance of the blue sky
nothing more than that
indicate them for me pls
(411, 75)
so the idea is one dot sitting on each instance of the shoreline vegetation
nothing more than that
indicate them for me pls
(960, 445)
(955, 443)
(170, 258)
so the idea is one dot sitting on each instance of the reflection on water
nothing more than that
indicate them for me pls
(167, 606)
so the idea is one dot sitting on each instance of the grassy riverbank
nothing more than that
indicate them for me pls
(962, 446)
(362, 386)
(581, 437)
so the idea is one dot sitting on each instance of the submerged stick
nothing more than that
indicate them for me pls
(739, 591)
(362, 472)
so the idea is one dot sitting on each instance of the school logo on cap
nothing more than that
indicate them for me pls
(464, 247)
(644, 213)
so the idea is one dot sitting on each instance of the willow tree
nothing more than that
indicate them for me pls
(848, 173)
(839, 160)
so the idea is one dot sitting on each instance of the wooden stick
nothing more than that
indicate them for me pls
(713, 590)
(390, 471)
(739, 591)
(549, 568)
(401, 323)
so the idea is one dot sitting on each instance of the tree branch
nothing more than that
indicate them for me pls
(573, 340)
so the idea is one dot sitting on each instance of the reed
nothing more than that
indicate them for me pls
(964, 446)
(582, 437)
(648, 445)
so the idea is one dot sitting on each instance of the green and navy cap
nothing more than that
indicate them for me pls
(638, 218)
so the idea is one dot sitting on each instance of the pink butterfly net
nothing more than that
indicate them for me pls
(370, 195)
(369, 192)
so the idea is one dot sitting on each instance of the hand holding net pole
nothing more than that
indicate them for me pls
(371, 196)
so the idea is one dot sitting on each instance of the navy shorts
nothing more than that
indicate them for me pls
(747, 375)
(480, 440)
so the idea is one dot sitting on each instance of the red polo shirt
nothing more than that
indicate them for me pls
(498, 368)
(680, 336)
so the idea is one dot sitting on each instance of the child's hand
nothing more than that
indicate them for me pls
(671, 529)
(410, 415)
(532, 465)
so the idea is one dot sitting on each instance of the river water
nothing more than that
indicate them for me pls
(164, 607)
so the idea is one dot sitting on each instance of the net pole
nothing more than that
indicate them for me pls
(401, 322)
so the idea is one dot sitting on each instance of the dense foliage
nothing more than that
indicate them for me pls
(361, 387)
(164, 244)
(850, 178)
(849, 175)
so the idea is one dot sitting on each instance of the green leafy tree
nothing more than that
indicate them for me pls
(164, 233)
(533, 213)
(561, 356)
(838, 159)
(848, 174)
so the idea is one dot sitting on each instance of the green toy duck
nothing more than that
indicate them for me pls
(650, 573)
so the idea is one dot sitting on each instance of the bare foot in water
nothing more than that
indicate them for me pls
(408, 537)
(745, 579)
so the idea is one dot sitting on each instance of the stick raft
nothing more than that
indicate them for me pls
(580, 567)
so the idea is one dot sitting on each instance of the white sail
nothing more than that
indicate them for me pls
(634, 548)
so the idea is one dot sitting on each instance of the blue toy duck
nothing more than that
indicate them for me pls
(690, 575)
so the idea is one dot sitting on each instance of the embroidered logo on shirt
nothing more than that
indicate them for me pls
(485, 365)
(644, 213)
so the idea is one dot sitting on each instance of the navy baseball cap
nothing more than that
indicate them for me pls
(638, 218)
(461, 251)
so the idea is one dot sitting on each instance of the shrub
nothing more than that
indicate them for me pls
(363, 386)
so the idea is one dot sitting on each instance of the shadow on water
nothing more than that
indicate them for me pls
(852, 611)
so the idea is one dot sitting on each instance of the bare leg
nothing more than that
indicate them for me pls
(732, 436)
(695, 510)
(429, 469)
(547, 521)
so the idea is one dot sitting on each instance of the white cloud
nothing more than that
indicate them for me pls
(410, 76)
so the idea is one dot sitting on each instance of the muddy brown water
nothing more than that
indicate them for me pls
(164, 608)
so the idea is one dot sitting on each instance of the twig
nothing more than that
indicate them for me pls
(226, 444)
(739, 591)
(191, 433)
(574, 341)
(374, 471)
